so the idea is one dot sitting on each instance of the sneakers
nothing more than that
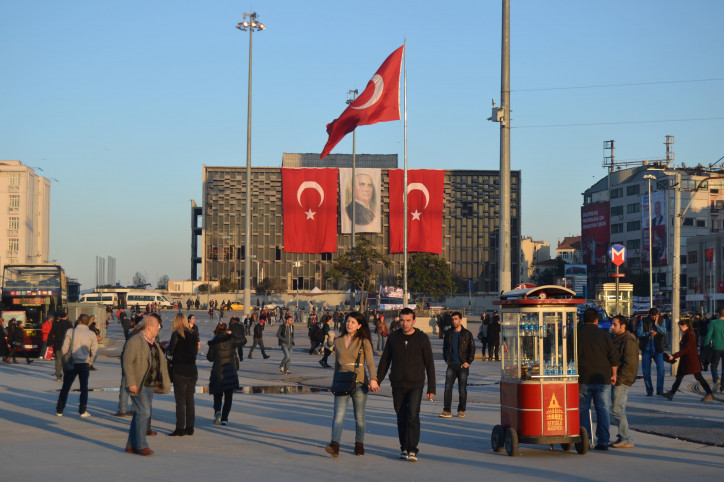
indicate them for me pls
(412, 457)
(461, 413)
(708, 398)
(281, 370)
(622, 445)
(119, 414)
(667, 395)
(717, 386)
(217, 418)
(267, 356)
(60, 414)
(404, 455)
(85, 415)
(445, 414)
(224, 423)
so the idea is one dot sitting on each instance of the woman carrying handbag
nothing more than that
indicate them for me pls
(353, 352)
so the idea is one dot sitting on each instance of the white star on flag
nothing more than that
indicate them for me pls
(416, 215)
(310, 214)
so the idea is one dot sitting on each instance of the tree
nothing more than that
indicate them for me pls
(162, 282)
(429, 275)
(266, 286)
(227, 285)
(203, 288)
(356, 267)
(139, 281)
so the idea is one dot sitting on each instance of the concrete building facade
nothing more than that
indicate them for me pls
(532, 253)
(470, 227)
(25, 205)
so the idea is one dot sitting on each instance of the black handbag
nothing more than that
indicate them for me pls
(345, 383)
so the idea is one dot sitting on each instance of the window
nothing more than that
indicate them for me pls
(15, 179)
(617, 228)
(616, 210)
(616, 193)
(682, 260)
(15, 200)
(14, 223)
(326, 256)
(633, 244)
(692, 256)
(632, 190)
(633, 208)
(700, 223)
(688, 221)
(633, 225)
(13, 244)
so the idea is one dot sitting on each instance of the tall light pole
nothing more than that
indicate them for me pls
(251, 25)
(649, 177)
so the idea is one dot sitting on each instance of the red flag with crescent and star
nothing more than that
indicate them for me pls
(309, 198)
(425, 190)
(379, 102)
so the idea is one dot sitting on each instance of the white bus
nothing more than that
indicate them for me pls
(109, 299)
(142, 298)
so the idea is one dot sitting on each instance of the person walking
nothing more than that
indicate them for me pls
(182, 348)
(3, 344)
(458, 351)
(45, 331)
(146, 371)
(57, 337)
(409, 353)
(19, 342)
(628, 356)
(82, 344)
(483, 333)
(258, 340)
(494, 338)
(353, 351)
(651, 334)
(715, 338)
(689, 364)
(382, 333)
(238, 331)
(327, 342)
(224, 379)
(597, 368)
(285, 336)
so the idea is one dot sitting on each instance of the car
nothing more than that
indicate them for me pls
(237, 306)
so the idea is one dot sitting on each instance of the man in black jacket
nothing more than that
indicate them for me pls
(458, 350)
(409, 352)
(257, 340)
(56, 336)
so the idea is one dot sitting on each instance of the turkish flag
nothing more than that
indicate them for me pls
(425, 190)
(379, 102)
(309, 199)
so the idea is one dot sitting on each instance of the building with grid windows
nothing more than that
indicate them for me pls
(470, 227)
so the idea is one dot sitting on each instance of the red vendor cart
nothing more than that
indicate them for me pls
(539, 379)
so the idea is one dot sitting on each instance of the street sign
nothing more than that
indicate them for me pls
(617, 275)
(617, 254)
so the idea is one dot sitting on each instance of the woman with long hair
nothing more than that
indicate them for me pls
(224, 380)
(689, 364)
(182, 349)
(355, 342)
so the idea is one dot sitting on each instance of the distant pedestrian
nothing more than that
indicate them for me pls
(382, 333)
(689, 364)
(224, 379)
(57, 337)
(238, 331)
(597, 367)
(285, 336)
(715, 337)
(45, 331)
(651, 334)
(82, 344)
(409, 353)
(628, 356)
(494, 339)
(19, 342)
(258, 340)
(354, 353)
(327, 342)
(3, 345)
(483, 333)
(182, 348)
(458, 351)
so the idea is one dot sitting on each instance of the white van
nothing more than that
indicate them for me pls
(108, 299)
(143, 298)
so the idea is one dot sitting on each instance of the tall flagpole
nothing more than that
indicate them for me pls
(405, 294)
(504, 267)
(353, 298)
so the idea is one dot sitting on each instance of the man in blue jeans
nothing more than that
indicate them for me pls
(597, 368)
(651, 333)
(285, 335)
(458, 350)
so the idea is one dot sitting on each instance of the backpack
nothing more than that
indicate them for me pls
(319, 335)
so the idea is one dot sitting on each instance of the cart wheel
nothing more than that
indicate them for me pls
(567, 446)
(583, 445)
(511, 442)
(497, 438)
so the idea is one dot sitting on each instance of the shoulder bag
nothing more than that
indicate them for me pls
(67, 359)
(345, 383)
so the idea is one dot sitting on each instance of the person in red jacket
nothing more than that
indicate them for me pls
(45, 331)
(689, 364)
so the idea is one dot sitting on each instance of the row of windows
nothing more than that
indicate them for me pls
(14, 223)
(14, 244)
(14, 201)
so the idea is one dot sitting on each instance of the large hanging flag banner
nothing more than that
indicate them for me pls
(310, 210)
(379, 102)
(425, 190)
(364, 194)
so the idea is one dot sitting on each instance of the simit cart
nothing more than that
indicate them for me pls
(539, 380)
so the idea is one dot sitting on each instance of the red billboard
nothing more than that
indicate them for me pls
(595, 234)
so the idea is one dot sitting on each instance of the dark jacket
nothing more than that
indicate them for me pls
(258, 330)
(182, 351)
(494, 332)
(466, 346)
(222, 353)
(239, 332)
(596, 355)
(57, 333)
(628, 356)
(3, 345)
(689, 363)
(410, 357)
(646, 326)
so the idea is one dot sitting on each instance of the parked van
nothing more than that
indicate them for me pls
(109, 299)
(143, 298)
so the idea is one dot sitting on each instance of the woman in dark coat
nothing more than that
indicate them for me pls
(182, 349)
(689, 364)
(224, 380)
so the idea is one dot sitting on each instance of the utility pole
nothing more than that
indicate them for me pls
(504, 268)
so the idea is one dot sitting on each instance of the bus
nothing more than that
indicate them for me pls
(33, 292)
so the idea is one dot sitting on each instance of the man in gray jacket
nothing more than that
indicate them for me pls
(285, 335)
(83, 346)
(628, 356)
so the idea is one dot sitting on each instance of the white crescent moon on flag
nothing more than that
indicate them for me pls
(310, 185)
(379, 87)
(418, 186)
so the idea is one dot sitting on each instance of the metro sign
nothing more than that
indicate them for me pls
(617, 254)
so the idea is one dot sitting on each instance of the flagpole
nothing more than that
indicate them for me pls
(354, 207)
(405, 294)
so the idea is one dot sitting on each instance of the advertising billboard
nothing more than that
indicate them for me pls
(595, 234)
(657, 230)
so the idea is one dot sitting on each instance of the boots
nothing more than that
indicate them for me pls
(668, 395)
(359, 448)
(332, 449)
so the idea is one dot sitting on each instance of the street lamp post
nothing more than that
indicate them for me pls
(649, 177)
(251, 25)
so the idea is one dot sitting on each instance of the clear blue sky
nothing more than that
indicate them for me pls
(122, 102)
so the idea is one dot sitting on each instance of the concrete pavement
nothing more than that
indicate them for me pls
(280, 425)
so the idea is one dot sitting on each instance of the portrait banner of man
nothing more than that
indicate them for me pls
(364, 195)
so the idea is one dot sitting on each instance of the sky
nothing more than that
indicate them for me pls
(122, 103)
